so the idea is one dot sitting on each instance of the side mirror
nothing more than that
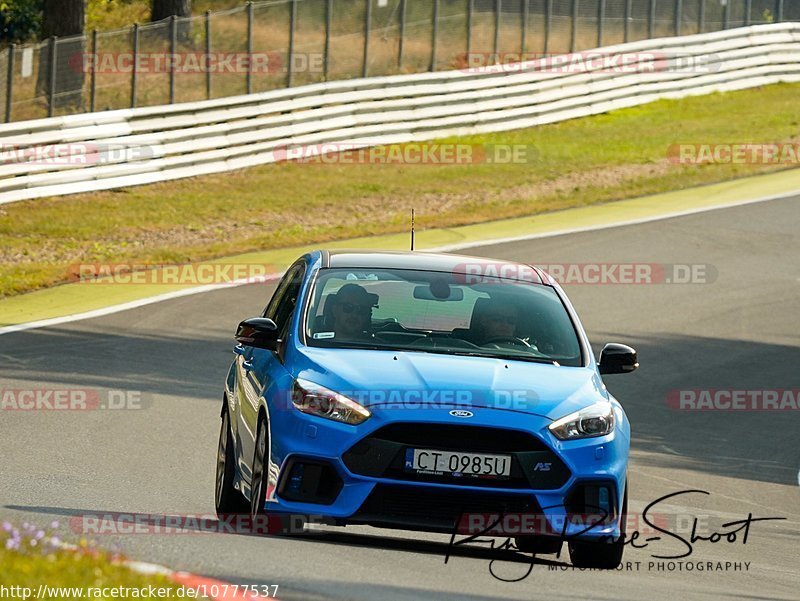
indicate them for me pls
(617, 359)
(260, 332)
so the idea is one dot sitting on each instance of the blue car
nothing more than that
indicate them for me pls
(428, 392)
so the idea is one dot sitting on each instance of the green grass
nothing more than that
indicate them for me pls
(31, 565)
(69, 569)
(580, 162)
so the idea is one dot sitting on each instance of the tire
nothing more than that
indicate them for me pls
(540, 545)
(227, 500)
(263, 522)
(601, 555)
(258, 485)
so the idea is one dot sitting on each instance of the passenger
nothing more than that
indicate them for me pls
(497, 320)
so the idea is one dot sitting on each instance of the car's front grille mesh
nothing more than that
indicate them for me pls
(382, 455)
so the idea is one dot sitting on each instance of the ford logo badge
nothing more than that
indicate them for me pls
(461, 413)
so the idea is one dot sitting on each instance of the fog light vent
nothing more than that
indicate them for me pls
(309, 481)
(593, 503)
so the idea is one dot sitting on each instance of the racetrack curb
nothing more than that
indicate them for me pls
(228, 591)
(193, 581)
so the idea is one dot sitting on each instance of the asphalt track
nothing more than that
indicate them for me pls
(741, 331)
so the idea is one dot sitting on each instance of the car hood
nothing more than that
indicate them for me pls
(412, 379)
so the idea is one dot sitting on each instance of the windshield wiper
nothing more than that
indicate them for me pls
(513, 357)
(442, 351)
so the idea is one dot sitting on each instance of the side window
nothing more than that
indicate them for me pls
(283, 302)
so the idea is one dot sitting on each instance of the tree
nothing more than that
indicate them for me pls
(164, 9)
(65, 19)
(20, 20)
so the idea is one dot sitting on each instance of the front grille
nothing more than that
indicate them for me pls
(382, 454)
(435, 509)
(460, 438)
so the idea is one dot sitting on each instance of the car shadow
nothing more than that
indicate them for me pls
(91, 523)
(736, 444)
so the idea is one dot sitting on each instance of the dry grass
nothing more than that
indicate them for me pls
(271, 35)
(577, 163)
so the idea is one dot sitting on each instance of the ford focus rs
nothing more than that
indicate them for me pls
(428, 392)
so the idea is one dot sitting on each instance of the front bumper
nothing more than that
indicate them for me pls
(551, 484)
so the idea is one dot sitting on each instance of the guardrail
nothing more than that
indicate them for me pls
(100, 151)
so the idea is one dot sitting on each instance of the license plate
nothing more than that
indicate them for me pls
(456, 464)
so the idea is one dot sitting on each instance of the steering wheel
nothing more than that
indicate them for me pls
(390, 326)
(509, 339)
(436, 339)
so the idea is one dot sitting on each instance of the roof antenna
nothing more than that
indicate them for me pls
(412, 229)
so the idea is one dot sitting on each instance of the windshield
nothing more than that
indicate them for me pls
(407, 310)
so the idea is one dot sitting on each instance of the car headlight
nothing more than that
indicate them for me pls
(317, 400)
(594, 420)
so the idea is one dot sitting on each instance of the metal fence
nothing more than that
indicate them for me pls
(283, 43)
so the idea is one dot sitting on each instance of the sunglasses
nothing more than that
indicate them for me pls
(350, 307)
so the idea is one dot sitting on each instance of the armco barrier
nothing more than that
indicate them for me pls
(184, 140)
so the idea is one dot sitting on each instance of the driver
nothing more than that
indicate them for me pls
(351, 310)
(499, 320)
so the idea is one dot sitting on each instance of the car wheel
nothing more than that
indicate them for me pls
(227, 499)
(601, 555)
(262, 521)
(258, 486)
(540, 545)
